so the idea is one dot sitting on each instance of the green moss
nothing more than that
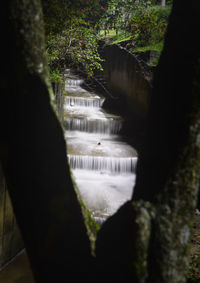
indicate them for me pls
(194, 269)
(155, 47)
(66, 93)
(90, 224)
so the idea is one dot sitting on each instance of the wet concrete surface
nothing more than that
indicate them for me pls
(17, 271)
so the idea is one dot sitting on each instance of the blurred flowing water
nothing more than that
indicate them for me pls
(102, 163)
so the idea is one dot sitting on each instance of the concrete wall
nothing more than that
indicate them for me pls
(125, 77)
(10, 239)
(58, 89)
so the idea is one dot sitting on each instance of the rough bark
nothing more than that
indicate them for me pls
(172, 150)
(33, 153)
(146, 240)
(168, 168)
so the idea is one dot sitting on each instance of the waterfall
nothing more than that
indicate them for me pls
(103, 164)
(73, 82)
(84, 102)
(106, 126)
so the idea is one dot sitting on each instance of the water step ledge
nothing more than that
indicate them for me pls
(102, 126)
(95, 102)
(104, 164)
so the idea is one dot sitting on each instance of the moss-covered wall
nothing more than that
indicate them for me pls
(10, 239)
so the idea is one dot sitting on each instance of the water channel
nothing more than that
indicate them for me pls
(103, 164)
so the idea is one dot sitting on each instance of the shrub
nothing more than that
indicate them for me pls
(148, 26)
(76, 45)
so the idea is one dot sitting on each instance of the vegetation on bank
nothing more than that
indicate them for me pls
(71, 39)
(143, 30)
(158, 47)
(74, 28)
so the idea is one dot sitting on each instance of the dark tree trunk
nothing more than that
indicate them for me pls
(168, 168)
(163, 3)
(33, 153)
(147, 239)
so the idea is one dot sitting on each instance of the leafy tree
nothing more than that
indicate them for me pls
(144, 19)
(148, 26)
(71, 36)
(117, 13)
(76, 46)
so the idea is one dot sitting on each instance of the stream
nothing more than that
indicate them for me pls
(102, 163)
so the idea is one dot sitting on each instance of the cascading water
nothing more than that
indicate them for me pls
(103, 164)
(102, 126)
(84, 102)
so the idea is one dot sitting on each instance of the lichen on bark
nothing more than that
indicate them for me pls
(28, 28)
(27, 20)
(144, 213)
(176, 205)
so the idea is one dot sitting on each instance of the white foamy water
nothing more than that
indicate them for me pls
(96, 144)
(84, 102)
(104, 193)
(103, 126)
(103, 165)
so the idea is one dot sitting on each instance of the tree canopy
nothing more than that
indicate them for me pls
(73, 29)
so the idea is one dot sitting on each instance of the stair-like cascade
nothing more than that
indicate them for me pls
(84, 102)
(73, 82)
(102, 126)
(102, 163)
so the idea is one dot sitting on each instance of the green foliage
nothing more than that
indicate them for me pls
(72, 29)
(56, 12)
(56, 76)
(71, 36)
(75, 46)
(163, 12)
(155, 47)
(119, 12)
(169, 2)
(113, 38)
(142, 18)
(148, 25)
(194, 273)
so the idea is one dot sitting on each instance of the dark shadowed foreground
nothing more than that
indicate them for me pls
(146, 240)
(18, 271)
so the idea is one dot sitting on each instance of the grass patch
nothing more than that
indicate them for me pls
(113, 38)
(111, 33)
(154, 47)
(157, 47)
